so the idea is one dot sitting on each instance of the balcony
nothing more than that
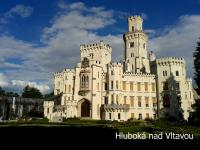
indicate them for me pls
(83, 92)
(116, 106)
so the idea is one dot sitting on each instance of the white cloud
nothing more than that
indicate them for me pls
(21, 84)
(18, 85)
(3, 80)
(179, 40)
(18, 10)
(77, 24)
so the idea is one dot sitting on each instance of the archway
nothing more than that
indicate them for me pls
(85, 109)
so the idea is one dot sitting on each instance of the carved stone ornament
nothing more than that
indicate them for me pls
(83, 92)
(85, 62)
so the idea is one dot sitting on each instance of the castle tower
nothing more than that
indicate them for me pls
(136, 47)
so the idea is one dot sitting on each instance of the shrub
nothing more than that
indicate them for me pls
(150, 120)
(72, 119)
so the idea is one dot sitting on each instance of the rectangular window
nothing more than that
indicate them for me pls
(131, 86)
(147, 115)
(117, 85)
(165, 85)
(132, 115)
(147, 101)
(112, 99)
(131, 44)
(177, 73)
(146, 86)
(153, 87)
(105, 86)
(133, 28)
(109, 115)
(124, 85)
(119, 116)
(139, 102)
(69, 89)
(154, 102)
(165, 73)
(140, 116)
(105, 99)
(132, 101)
(124, 99)
(139, 86)
(132, 54)
(111, 85)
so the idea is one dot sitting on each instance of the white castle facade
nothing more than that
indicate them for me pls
(139, 87)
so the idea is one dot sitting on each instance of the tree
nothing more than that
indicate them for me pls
(2, 92)
(9, 94)
(194, 117)
(31, 92)
(12, 94)
(197, 67)
(49, 95)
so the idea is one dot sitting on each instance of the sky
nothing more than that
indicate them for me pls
(40, 37)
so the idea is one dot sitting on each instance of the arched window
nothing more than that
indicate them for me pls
(87, 82)
(84, 81)
(132, 54)
(144, 45)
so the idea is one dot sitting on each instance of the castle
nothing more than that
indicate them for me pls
(139, 87)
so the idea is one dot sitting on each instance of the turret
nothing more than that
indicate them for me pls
(136, 46)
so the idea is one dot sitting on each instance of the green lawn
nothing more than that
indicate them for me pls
(125, 127)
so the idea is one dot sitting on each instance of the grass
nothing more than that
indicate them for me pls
(125, 127)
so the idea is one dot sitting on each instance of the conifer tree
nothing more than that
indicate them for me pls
(197, 67)
(194, 118)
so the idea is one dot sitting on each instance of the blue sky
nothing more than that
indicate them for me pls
(38, 37)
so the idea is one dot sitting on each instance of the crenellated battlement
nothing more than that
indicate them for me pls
(136, 17)
(96, 46)
(48, 103)
(116, 64)
(138, 74)
(139, 34)
(60, 74)
(69, 71)
(170, 61)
